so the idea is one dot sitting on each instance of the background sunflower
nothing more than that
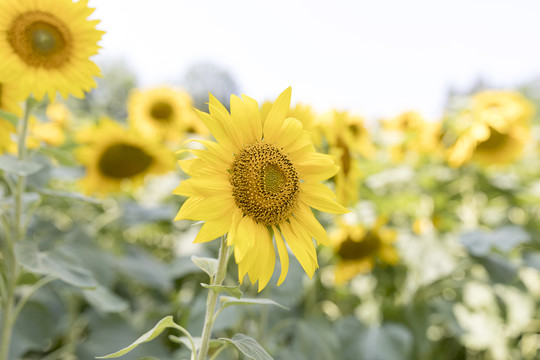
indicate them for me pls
(46, 46)
(119, 159)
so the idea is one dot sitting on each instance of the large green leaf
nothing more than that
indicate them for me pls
(481, 243)
(15, 166)
(166, 322)
(57, 263)
(104, 300)
(249, 347)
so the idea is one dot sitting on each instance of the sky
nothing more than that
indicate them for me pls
(374, 58)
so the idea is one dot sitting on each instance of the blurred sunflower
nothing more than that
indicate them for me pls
(46, 46)
(347, 139)
(10, 99)
(53, 131)
(412, 136)
(357, 248)
(260, 179)
(164, 112)
(493, 130)
(118, 159)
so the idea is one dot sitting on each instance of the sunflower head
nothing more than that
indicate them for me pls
(164, 112)
(494, 129)
(357, 248)
(46, 46)
(257, 184)
(410, 136)
(119, 159)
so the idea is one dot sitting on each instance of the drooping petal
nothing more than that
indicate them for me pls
(283, 255)
(305, 255)
(305, 217)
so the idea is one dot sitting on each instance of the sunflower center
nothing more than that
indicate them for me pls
(355, 250)
(40, 39)
(122, 161)
(265, 183)
(495, 141)
(161, 111)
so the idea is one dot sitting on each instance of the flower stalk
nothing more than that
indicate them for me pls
(11, 270)
(212, 298)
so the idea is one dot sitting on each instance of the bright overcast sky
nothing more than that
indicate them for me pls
(375, 58)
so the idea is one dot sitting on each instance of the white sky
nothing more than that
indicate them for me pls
(375, 58)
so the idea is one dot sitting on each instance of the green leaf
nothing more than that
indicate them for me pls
(208, 265)
(389, 341)
(249, 347)
(229, 301)
(231, 290)
(11, 164)
(166, 322)
(58, 262)
(12, 118)
(70, 195)
(104, 300)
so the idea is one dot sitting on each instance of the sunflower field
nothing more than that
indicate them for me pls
(138, 223)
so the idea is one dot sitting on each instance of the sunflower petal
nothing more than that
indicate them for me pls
(305, 255)
(305, 217)
(320, 197)
(283, 255)
(279, 111)
(213, 229)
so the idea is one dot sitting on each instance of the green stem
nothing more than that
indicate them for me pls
(211, 300)
(10, 262)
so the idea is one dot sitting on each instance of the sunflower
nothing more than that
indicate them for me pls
(117, 159)
(357, 247)
(493, 130)
(347, 139)
(46, 46)
(257, 181)
(164, 112)
(412, 136)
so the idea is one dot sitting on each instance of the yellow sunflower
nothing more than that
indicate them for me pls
(493, 130)
(119, 159)
(46, 46)
(164, 112)
(347, 139)
(257, 181)
(412, 136)
(357, 248)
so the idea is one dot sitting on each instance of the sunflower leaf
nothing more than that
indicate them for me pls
(12, 118)
(249, 347)
(166, 322)
(15, 166)
(57, 262)
(208, 265)
(231, 290)
(229, 301)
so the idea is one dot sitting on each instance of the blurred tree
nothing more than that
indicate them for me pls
(110, 96)
(202, 78)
